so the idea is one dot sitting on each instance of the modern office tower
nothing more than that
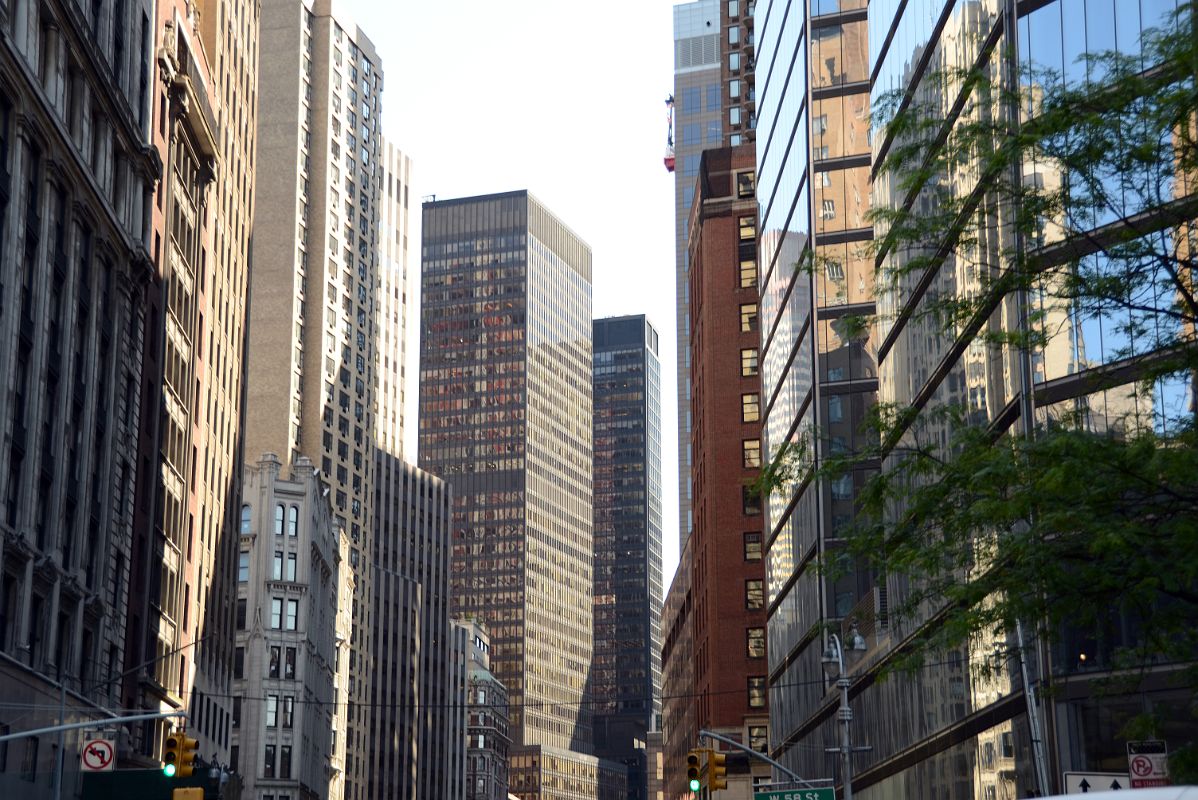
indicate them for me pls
(625, 684)
(942, 731)
(812, 193)
(698, 108)
(180, 640)
(311, 351)
(391, 298)
(487, 734)
(76, 179)
(289, 573)
(505, 418)
(414, 743)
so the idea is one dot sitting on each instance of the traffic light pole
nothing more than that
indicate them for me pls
(794, 776)
(93, 723)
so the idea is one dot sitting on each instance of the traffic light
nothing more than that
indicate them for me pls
(692, 771)
(717, 773)
(179, 757)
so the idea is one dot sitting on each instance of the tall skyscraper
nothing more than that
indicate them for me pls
(698, 103)
(625, 680)
(392, 297)
(506, 419)
(947, 732)
(312, 347)
(180, 649)
(290, 571)
(76, 182)
(415, 750)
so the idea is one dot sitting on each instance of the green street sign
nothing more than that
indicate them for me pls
(823, 793)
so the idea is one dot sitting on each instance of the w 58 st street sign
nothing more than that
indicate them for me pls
(822, 793)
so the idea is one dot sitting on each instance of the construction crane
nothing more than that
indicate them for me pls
(669, 159)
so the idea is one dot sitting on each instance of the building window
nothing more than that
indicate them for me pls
(268, 761)
(748, 273)
(272, 711)
(747, 227)
(288, 711)
(750, 408)
(734, 112)
(748, 317)
(292, 614)
(239, 662)
(734, 35)
(276, 612)
(291, 567)
(819, 124)
(757, 692)
(756, 642)
(759, 738)
(752, 546)
(746, 184)
(734, 89)
(276, 566)
(29, 762)
(289, 665)
(827, 209)
(241, 613)
(236, 712)
(243, 567)
(285, 760)
(754, 594)
(279, 520)
(835, 408)
(274, 663)
(750, 501)
(751, 453)
(245, 519)
(734, 65)
(748, 362)
(293, 521)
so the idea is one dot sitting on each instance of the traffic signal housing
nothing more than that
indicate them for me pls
(693, 768)
(180, 755)
(717, 772)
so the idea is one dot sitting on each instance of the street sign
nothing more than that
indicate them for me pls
(822, 793)
(98, 755)
(1086, 782)
(1148, 763)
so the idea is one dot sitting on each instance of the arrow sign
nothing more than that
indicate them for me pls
(98, 755)
(1086, 782)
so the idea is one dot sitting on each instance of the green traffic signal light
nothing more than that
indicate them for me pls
(694, 784)
(169, 770)
(692, 771)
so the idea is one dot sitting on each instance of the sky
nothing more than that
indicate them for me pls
(565, 99)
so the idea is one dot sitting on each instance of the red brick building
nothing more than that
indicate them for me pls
(726, 598)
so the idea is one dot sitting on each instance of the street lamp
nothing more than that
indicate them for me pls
(833, 661)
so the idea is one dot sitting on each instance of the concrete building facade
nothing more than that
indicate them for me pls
(488, 739)
(625, 679)
(417, 739)
(313, 332)
(77, 178)
(289, 578)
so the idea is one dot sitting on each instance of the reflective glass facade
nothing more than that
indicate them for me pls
(942, 731)
(505, 418)
(626, 667)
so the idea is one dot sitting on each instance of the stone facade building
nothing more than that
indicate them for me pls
(289, 578)
(487, 736)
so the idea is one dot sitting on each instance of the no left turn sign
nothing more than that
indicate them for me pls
(99, 755)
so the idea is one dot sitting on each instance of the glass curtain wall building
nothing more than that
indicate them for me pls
(626, 667)
(943, 731)
(506, 419)
(698, 116)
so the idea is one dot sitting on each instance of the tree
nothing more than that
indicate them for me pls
(1074, 213)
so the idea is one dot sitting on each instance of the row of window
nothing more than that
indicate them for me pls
(289, 514)
(280, 657)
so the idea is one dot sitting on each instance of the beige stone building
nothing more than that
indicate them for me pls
(290, 595)
(312, 346)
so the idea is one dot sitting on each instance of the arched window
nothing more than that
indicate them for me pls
(279, 520)
(293, 521)
(245, 518)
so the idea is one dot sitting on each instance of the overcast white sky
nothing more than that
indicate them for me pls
(565, 99)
